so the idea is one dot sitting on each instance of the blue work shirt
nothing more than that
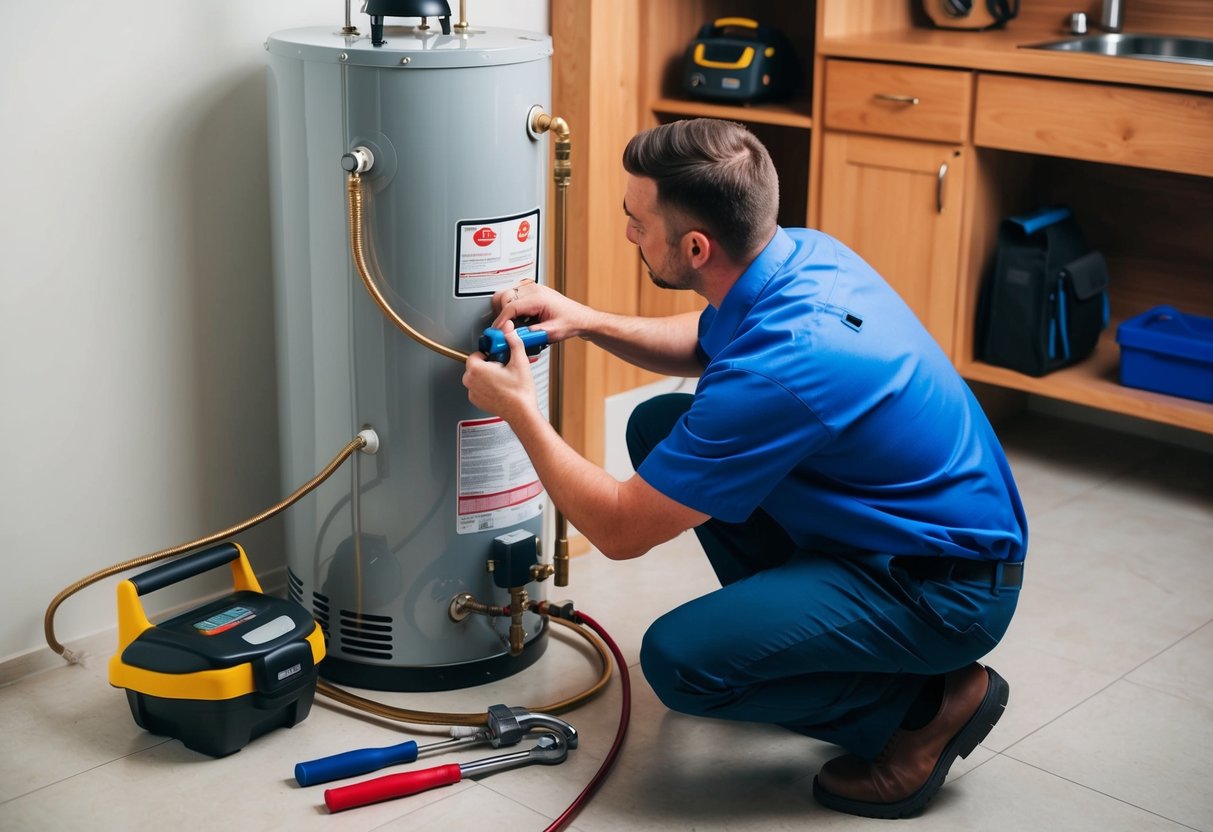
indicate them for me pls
(826, 403)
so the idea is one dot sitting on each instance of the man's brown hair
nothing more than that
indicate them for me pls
(712, 175)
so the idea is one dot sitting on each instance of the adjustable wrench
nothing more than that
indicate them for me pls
(549, 750)
(506, 726)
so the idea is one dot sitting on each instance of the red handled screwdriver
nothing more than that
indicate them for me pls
(550, 749)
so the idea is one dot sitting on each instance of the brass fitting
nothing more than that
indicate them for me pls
(542, 571)
(519, 603)
(560, 560)
(464, 605)
(542, 122)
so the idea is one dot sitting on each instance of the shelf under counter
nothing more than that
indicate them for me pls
(1094, 382)
(794, 114)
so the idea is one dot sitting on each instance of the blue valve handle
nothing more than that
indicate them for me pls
(352, 763)
(496, 348)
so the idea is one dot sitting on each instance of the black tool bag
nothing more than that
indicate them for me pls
(1046, 301)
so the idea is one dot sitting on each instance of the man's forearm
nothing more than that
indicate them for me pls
(585, 494)
(664, 345)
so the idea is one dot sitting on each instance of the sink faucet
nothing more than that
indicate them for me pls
(1113, 16)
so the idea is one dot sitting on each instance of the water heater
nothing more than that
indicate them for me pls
(455, 202)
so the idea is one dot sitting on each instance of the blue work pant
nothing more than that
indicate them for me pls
(835, 647)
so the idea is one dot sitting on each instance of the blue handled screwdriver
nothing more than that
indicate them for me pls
(362, 760)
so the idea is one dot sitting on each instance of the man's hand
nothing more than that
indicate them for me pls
(505, 390)
(558, 316)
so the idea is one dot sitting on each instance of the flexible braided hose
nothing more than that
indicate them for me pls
(358, 249)
(48, 621)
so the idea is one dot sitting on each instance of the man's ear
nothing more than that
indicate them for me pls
(696, 248)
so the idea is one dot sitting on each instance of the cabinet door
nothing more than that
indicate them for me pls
(896, 203)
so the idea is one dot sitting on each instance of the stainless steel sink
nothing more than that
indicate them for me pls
(1197, 51)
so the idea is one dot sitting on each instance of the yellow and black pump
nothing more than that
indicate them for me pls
(224, 673)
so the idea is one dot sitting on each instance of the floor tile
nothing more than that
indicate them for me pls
(1005, 794)
(1149, 749)
(1184, 670)
(65, 722)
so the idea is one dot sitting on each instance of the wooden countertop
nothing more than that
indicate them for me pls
(1000, 51)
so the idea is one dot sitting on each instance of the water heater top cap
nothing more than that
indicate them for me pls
(409, 8)
(424, 49)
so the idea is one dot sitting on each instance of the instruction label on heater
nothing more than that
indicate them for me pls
(498, 486)
(494, 254)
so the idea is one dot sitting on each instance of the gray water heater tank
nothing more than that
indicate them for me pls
(455, 203)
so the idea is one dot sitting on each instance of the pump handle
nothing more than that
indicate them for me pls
(183, 568)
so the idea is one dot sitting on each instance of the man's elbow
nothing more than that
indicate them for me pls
(619, 547)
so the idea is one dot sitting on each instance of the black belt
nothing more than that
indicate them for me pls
(964, 569)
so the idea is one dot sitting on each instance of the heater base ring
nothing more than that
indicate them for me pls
(433, 678)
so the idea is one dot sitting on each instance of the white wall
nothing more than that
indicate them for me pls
(137, 388)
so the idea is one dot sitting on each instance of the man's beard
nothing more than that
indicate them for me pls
(684, 278)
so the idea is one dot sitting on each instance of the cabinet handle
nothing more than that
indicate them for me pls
(943, 172)
(910, 100)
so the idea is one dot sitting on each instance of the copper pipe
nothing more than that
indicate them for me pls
(562, 175)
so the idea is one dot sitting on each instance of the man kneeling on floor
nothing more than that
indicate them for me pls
(844, 483)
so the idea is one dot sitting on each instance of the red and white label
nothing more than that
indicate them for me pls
(498, 486)
(494, 254)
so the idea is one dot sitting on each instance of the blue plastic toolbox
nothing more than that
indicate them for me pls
(1167, 351)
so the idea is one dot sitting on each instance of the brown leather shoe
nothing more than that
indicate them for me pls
(910, 769)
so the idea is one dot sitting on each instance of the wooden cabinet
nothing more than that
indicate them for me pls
(1111, 123)
(1126, 143)
(896, 201)
(899, 205)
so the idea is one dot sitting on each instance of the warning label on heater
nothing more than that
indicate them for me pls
(494, 254)
(497, 485)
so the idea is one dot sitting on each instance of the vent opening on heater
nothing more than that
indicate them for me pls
(366, 635)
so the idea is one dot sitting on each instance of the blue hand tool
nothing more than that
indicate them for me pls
(362, 760)
(496, 348)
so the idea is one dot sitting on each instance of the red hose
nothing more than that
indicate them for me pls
(625, 711)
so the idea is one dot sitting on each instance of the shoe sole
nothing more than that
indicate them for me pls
(967, 738)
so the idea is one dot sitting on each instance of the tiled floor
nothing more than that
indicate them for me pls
(1109, 727)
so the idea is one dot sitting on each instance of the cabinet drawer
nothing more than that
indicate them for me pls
(1131, 126)
(909, 101)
